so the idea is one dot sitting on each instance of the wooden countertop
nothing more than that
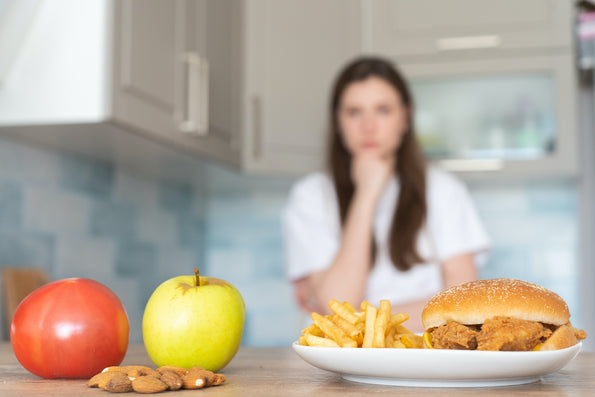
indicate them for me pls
(280, 372)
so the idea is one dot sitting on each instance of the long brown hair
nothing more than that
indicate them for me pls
(410, 213)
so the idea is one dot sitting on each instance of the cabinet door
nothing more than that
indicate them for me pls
(294, 49)
(161, 86)
(422, 27)
(503, 118)
(214, 35)
(149, 41)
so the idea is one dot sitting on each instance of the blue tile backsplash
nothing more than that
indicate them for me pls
(91, 177)
(78, 217)
(11, 205)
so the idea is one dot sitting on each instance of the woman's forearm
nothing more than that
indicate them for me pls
(455, 270)
(413, 310)
(347, 277)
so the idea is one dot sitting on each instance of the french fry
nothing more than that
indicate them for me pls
(370, 323)
(390, 337)
(332, 331)
(313, 329)
(363, 306)
(402, 330)
(303, 341)
(351, 330)
(397, 319)
(370, 327)
(312, 340)
(412, 341)
(350, 307)
(361, 325)
(340, 310)
(381, 323)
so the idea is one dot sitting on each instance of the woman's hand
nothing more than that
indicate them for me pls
(370, 173)
(304, 295)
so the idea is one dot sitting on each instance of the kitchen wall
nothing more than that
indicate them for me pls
(534, 228)
(76, 217)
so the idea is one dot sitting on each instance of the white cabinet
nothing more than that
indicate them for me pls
(460, 56)
(245, 82)
(503, 118)
(148, 81)
(128, 81)
(177, 76)
(407, 28)
(293, 51)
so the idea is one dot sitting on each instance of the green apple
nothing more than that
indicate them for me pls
(194, 321)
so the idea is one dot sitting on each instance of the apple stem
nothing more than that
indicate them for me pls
(197, 277)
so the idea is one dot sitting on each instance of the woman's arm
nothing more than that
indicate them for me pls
(346, 279)
(456, 270)
(459, 269)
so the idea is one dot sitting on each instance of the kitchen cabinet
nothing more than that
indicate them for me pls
(293, 49)
(15, 19)
(128, 81)
(406, 28)
(459, 56)
(503, 118)
(137, 81)
(174, 77)
(271, 65)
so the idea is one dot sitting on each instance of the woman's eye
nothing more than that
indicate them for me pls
(384, 110)
(352, 112)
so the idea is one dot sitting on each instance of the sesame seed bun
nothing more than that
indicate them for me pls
(476, 301)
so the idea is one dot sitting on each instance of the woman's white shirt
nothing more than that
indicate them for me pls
(312, 234)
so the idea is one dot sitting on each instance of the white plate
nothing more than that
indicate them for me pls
(436, 367)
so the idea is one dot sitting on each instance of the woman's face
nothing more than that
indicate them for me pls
(372, 117)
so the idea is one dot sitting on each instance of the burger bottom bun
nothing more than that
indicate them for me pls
(561, 338)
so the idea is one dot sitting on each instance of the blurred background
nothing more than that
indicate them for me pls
(141, 139)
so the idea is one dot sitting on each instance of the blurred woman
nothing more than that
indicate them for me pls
(381, 223)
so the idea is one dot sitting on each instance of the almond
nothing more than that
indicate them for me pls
(217, 380)
(100, 380)
(137, 370)
(197, 378)
(148, 384)
(111, 369)
(178, 370)
(171, 379)
(118, 383)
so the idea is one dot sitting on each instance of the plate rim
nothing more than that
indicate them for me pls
(556, 359)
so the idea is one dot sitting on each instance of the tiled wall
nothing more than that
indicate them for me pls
(534, 228)
(244, 246)
(76, 217)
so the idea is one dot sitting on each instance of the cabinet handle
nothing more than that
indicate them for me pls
(203, 97)
(257, 127)
(471, 165)
(195, 119)
(468, 42)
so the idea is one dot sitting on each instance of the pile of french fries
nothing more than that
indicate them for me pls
(370, 327)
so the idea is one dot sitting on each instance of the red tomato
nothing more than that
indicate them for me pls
(71, 328)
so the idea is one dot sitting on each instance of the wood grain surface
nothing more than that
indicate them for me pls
(280, 372)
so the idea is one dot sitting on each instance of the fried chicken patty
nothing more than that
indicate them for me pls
(498, 333)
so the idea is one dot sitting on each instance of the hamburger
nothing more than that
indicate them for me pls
(498, 314)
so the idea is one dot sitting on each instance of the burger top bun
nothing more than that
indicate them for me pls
(476, 301)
